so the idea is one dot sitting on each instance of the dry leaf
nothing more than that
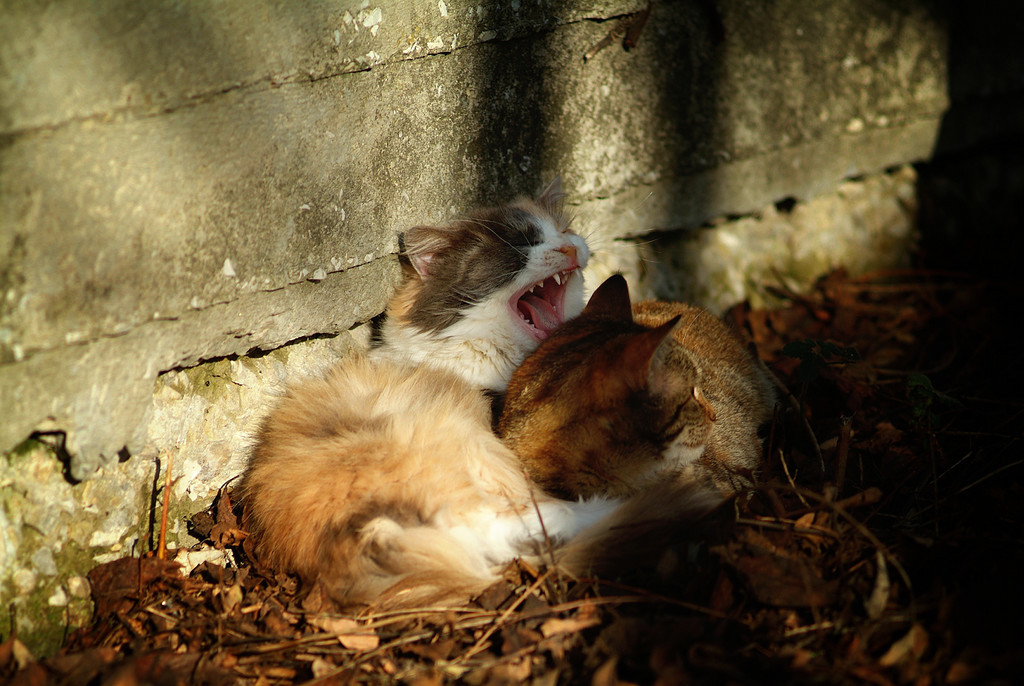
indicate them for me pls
(605, 674)
(556, 625)
(348, 631)
(116, 585)
(806, 521)
(961, 672)
(33, 674)
(232, 597)
(879, 598)
(321, 667)
(20, 652)
(436, 652)
(779, 579)
(912, 645)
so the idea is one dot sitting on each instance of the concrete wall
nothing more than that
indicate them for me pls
(183, 183)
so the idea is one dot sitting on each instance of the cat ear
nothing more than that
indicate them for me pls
(551, 198)
(422, 243)
(611, 299)
(643, 351)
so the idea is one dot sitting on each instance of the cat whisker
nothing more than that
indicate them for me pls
(646, 259)
(644, 242)
(686, 329)
(467, 298)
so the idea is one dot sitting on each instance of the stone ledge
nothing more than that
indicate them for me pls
(100, 392)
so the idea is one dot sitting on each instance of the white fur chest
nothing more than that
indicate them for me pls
(483, 347)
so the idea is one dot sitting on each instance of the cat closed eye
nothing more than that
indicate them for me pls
(529, 237)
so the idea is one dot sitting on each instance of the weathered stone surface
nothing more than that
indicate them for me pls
(102, 390)
(207, 156)
(201, 425)
(120, 56)
(871, 226)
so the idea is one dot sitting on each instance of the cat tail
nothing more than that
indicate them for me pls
(400, 567)
(640, 531)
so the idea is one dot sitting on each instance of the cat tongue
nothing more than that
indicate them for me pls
(540, 312)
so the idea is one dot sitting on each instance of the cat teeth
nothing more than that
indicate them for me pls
(558, 277)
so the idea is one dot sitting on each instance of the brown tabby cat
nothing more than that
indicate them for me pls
(609, 404)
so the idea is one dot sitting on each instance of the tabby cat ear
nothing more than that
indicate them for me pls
(422, 243)
(611, 300)
(551, 198)
(640, 352)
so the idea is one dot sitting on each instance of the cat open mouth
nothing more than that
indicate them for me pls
(540, 305)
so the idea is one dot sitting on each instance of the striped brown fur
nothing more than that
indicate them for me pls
(621, 398)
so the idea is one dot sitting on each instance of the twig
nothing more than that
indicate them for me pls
(842, 453)
(498, 623)
(790, 526)
(800, 630)
(789, 477)
(558, 582)
(161, 547)
(798, 406)
(628, 28)
(989, 476)
(866, 533)
(642, 597)
(935, 481)
(869, 496)
(383, 618)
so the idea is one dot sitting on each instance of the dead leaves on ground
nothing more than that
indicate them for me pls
(863, 557)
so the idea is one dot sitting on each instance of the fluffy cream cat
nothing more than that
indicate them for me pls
(384, 481)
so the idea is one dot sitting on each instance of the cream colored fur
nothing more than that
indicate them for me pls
(386, 483)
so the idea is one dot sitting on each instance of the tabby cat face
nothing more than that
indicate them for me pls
(593, 410)
(482, 292)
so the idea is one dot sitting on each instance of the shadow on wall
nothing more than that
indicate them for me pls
(534, 107)
(970, 193)
(626, 111)
(506, 154)
(607, 103)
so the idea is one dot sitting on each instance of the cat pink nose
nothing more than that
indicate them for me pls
(570, 252)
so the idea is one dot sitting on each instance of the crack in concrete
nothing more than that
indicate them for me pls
(26, 355)
(272, 82)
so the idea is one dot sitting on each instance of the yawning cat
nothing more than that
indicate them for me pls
(384, 480)
(481, 293)
(608, 405)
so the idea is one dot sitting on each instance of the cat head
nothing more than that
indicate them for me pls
(592, 411)
(480, 294)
